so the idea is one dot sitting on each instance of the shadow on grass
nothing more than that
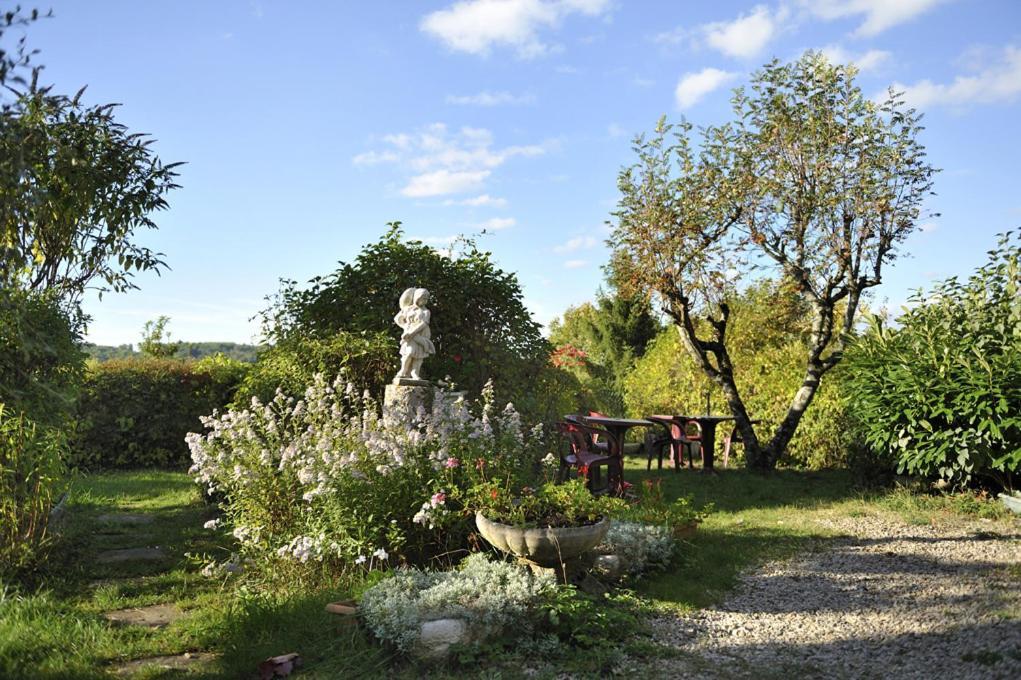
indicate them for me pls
(330, 646)
(735, 490)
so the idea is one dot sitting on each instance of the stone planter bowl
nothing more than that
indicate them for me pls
(548, 547)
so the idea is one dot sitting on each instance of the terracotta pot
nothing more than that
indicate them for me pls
(549, 547)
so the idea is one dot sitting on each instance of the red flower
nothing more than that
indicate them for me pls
(494, 494)
(457, 358)
(583, 470)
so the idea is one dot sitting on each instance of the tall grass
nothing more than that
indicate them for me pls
(32, 477)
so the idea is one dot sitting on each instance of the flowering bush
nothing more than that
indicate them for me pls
(487, 595)
(643, 547)
(325, 478)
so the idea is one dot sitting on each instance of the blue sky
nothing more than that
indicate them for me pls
(307, 126)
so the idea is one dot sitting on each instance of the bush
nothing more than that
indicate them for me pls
(136, 412)
(480, 326)
(940, 393)
(368, 359)
(488, 596)
(767, 338)
(643, 547)
(32, 477)
(323, 480)
(41, 365)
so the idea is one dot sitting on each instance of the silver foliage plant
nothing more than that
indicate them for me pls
(487, 595)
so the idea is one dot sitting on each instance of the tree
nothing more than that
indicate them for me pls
(75, 186)
(480, 326)
(811, 180)
(156, 339)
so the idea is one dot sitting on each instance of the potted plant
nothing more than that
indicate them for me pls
(546, 526)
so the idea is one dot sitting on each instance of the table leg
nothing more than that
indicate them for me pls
(708, 446)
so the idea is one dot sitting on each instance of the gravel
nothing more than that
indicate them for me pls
(887, 600)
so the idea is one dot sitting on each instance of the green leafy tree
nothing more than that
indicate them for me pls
(939, 393)
(811, 180)
(768, 336)
(480, 326)
(156, 339)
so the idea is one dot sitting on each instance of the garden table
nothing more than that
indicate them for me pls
(707, 424)
(617, 428)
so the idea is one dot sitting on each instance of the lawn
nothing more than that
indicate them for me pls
(61, 632)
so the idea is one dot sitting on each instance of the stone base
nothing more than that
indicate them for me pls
(401, 403)
(411, 382)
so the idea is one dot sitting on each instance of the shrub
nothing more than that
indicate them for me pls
(136, 412)
(324, 479)
(368, 359)
(41, 365)
(32, 477)
(941, 393)
(643, 547)
(480, 326)
(488, 596)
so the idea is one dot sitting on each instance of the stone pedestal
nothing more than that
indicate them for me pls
(402, 400)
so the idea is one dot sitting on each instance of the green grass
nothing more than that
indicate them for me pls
(60, 632)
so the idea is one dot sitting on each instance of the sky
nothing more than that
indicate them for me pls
(306, 127)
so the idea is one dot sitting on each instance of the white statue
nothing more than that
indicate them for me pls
(416, 342)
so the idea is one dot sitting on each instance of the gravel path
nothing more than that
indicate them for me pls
(889, 600)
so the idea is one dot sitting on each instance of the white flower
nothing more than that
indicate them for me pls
(380, 554)
(360, 559)
(211, 524)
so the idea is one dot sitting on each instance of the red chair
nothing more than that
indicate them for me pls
(586, 458)
(689, 436)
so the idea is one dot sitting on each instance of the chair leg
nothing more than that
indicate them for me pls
(726, 450)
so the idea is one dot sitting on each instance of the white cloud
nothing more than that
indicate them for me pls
(692, 87)
(575, 264)
(1000, 82)
(497, 223)
(476, 26)
(615, 130)
(879, 15)
(445, 162)
(375, 158)
(747, 35)
(575, 244)
(865, 61)
(480, 201)
(487, 98)
(443, 182)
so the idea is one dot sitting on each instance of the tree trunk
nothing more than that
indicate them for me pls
(789, 425)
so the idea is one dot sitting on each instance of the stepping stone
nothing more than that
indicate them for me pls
(128, 554)
(178, 662)
(125, 518)
(154, 616)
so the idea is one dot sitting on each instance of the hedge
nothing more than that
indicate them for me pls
(136, 412)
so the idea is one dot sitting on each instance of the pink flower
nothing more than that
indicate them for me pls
(452, 463)
(480, 463)
(438, 498)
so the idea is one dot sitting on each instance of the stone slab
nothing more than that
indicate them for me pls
(176, 662)
(129, 554)
(125, 518)
(154, 616)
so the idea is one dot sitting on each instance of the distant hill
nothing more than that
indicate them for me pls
(188, 350)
